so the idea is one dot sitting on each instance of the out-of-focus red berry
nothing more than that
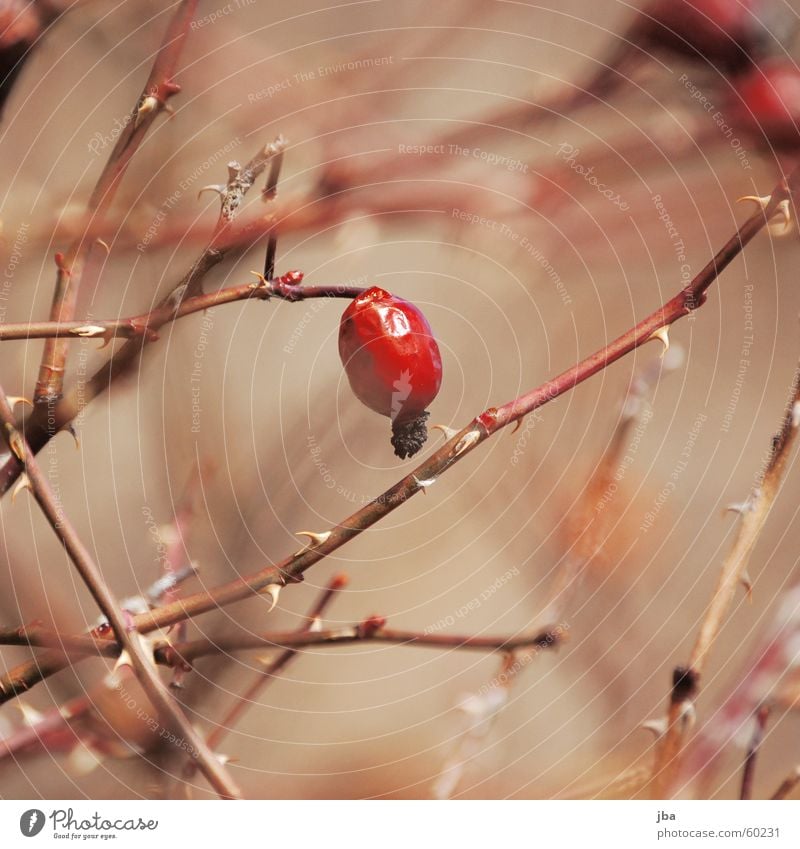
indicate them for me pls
(767, 104)
(393, 363)
(726, 33)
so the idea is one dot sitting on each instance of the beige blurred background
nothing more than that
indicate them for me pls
(373, 720)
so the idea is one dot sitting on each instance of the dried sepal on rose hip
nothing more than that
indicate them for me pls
(392, 362)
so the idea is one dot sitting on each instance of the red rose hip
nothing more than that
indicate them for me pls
(392, 362)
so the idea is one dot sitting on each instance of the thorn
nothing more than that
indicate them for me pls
(314, 539)
(124, 659)
(784, 227)
(662, 334)
(447, 432)
(68, 428)
(24, 482)
(214, 187)
(89, 331)
(13, 400)
(315, 626)
(795, 414)
(741, 507)
(423, 484)
(149, 104)
(273, 591)
(517, 426)
(763, 202)
(657, 726)
(466, 442)
(688, 715)
(15, 442)
(783, 209)
(262, 284)
(747, 586)
(103, 244)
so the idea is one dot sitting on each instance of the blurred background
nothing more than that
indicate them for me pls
(548, 210)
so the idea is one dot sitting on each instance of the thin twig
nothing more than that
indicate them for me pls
(146, 325)
(748, 773)
(127, 637)
(157, 90)
(686, 680)
(787, 785)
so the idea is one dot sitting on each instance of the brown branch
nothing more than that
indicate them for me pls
(787, 785)
(370, 630)
(127, 637)
(38, 637)
(291, 568)
(157, 90)
(146, 325)
(686, 680)
(749, 771)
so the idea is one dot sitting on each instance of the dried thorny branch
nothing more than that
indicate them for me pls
(128, 638)
(787, 785)
(459, 445)
(159, 87)
(147, 325)
(40, 428)
(371, 630)
(686, 680)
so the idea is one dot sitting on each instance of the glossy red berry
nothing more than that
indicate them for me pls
(767, 103)
(392, 362)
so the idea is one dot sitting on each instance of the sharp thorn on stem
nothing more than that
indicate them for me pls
(662, 334)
